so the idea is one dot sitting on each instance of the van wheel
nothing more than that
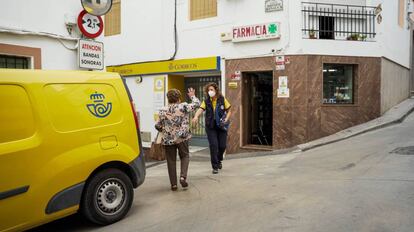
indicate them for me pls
(107, 197)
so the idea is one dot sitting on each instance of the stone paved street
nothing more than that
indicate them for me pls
(353, 185)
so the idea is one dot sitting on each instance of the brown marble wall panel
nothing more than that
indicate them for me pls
(298, 80)
(299, 124)
(233, 144)
(303, 117)
(369, 88)
(314, 130)
(283, 126)
(314, 69)
(334, 119)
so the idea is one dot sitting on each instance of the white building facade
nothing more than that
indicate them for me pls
(294, 71)
(40, 34)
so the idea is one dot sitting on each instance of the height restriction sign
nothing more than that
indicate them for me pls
(90, 25)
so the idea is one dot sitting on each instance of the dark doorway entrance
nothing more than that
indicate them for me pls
(258, 108)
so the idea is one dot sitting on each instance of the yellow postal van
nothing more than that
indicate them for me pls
(69, 142)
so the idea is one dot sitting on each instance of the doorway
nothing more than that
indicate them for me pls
(258, 108)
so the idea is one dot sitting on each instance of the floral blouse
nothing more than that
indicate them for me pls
(174, 121)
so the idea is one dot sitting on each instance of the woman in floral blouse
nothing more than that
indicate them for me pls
(174, 123)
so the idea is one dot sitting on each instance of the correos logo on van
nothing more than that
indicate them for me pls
(98, 107)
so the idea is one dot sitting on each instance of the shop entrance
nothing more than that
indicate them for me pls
(258, 108)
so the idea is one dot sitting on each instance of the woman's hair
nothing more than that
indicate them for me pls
(173, 96)
(215, 86)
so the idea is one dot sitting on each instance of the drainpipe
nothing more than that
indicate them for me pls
(411, 27)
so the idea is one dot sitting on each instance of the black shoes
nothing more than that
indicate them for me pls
(183, 182)
(215, 170)
(174, 188)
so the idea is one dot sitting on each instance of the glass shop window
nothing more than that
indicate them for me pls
(338, 84)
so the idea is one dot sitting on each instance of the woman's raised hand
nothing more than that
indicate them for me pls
(191, 92)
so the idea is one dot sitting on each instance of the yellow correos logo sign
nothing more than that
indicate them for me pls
(185, 65)
(159, 84)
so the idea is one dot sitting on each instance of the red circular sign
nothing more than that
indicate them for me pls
(90, 25)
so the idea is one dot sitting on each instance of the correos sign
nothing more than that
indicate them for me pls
(256, 32)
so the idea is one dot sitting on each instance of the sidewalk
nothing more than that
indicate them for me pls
(395, 115)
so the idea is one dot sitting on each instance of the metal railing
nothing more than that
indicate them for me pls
(338, 22)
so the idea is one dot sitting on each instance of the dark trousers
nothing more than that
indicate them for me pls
(171, 156)
(217, 139)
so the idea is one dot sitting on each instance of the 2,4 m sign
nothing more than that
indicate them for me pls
(91, 54)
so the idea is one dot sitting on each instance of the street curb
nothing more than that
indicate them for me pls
(260, 154)
(244, 155)
(406, 107)
(153, 164)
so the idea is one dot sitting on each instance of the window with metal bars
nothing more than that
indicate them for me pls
(338, 22)
(15, 62)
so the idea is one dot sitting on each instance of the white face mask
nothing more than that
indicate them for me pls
(211, 93)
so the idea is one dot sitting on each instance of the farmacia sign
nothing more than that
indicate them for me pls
(256, 32)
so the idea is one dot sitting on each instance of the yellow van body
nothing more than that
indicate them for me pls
(58, 129)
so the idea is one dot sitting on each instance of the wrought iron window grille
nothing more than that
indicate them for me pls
(338, 22)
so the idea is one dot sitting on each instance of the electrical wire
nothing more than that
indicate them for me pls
(39, 33)
(60, 38)
(175, 44)
(67, 47)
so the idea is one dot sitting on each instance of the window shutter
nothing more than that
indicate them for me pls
(401, 13)
(113, 19)
(201, 9)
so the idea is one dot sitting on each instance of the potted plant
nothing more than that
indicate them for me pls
(353, 37)
(312, 34)
(362, 37)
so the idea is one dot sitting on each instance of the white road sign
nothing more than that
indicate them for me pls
(91, 54)
(90, 25)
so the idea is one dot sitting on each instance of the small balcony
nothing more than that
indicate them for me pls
(338, 22)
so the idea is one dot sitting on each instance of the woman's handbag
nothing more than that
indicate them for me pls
(157, 151)
(223, 125)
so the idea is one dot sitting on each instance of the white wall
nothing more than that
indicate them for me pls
(394, 41)
(42, 16)
(147, 33)
(143, 97)
(394, 84)
(54, 55)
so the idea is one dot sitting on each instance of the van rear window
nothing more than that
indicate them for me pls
(82, 106)
(16, 116)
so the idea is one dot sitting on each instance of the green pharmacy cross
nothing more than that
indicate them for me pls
(272, 28)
